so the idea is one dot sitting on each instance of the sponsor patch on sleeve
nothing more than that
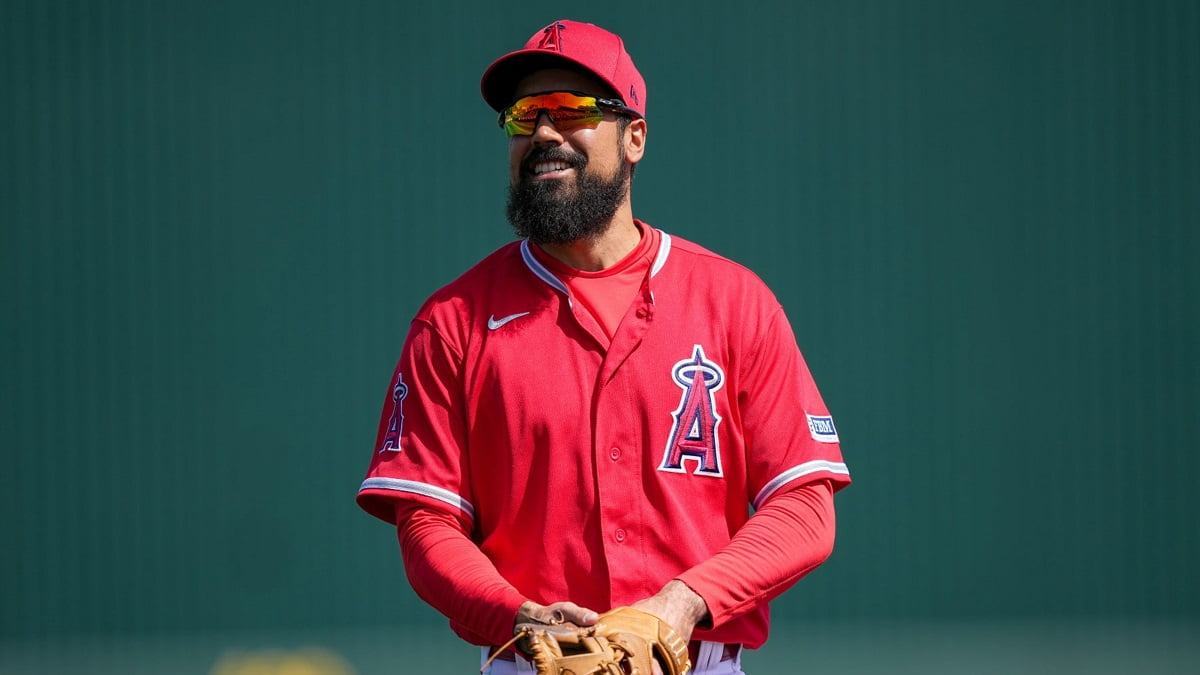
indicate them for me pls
(822, 429)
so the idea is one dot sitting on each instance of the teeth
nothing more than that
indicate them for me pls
(545, 167)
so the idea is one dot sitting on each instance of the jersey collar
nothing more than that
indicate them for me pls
(539, 270)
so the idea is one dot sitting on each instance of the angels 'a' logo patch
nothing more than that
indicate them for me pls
(552, 37)
(391, 439)
(694, 434)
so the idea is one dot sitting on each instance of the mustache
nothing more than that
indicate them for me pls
(547, 154)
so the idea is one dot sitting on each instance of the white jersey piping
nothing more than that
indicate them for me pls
(414, 487)
(664, 250)
(798, 471)
(539, 270)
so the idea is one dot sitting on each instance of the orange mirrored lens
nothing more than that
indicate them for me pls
(566, 111)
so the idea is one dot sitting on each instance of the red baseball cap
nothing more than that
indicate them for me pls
(571, 43)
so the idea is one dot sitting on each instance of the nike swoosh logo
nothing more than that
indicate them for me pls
(494, 323)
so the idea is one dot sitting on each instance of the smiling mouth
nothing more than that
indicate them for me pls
(546, 168)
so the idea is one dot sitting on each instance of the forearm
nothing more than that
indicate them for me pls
(788, 538)
(448, 571)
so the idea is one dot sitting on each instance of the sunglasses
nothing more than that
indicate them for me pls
(566, 109)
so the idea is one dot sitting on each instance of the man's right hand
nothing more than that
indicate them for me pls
(532, 617)
(566, 614)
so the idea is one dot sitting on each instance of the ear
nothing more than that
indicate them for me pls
(635, 140)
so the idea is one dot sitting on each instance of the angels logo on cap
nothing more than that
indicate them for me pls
(570, 44)
(552, 37)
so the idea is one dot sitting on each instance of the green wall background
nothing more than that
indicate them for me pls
(218, 217)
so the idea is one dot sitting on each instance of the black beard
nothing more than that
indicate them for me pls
(549, 212)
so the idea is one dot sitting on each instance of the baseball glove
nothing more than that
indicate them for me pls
(624, 641)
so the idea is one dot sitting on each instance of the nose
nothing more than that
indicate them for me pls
(544, 131)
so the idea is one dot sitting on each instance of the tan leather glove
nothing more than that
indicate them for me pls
(624, 641)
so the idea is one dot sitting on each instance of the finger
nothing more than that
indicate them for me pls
(544, 614)
(540, 631)
(552, 614)
(569, 612)
(540, 614)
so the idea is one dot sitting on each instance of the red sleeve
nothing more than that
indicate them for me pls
(421, 443)
(790, 437)
(786, 539)
(448, 571)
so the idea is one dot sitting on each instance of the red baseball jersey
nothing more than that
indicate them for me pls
(596, 474)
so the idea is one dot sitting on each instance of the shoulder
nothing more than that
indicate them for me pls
(450, 308)
(696, 267)
(476, 281)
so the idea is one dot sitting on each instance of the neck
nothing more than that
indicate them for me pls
(619, 238)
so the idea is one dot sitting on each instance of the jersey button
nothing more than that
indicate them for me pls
(619, 535)
(614, 454)
(642, 313)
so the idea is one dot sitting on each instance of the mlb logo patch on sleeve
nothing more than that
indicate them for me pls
(822, 429)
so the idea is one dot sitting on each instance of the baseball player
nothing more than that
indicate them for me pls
(587, 417)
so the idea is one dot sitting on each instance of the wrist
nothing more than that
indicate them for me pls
(694, 606)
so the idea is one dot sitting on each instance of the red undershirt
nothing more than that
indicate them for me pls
(607, 294)
(787, 538)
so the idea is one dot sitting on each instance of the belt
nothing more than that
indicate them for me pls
(730, 652)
